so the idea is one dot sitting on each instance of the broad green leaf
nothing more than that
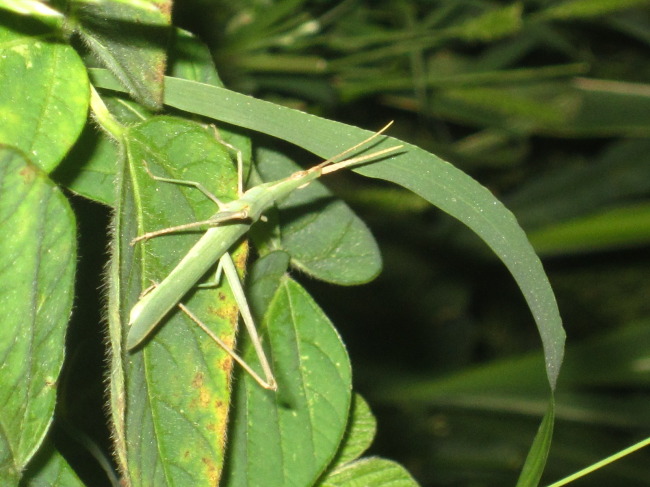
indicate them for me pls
(425, 174)
(170, 396)
(126, 112)
(375, 472)
(30, 7)
(290, 436)
(324, 237)
(264, 279)
(50, 469)
(190, 59)
(91, 166)
(359, 434)
(37, 254)
(130, 38)
(44, 108)
(533, 468)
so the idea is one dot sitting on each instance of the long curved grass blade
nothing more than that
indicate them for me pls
(531, 473)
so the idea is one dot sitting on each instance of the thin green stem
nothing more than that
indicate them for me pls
(602, 463)
(105, 119)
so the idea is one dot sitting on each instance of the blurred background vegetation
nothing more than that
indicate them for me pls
(545, 102)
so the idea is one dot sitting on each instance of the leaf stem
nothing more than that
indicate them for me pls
(105, 119)
(602, 463)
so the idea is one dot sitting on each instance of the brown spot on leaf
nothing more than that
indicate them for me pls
(28, 173)
(214, 473)
(241, 256)
(159, 73)
(226, 364)
(230, 313)
(165, 8)
(202, 401)
(198, 380)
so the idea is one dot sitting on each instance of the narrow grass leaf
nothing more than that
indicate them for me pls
(533, 468)
(577, 9)
(587, 107)
(264, 279)
(618, 228)
(620, 174)
(491, 25)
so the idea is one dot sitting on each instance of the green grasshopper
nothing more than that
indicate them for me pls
(226, 227)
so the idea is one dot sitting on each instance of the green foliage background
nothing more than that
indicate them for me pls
(547, 104)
